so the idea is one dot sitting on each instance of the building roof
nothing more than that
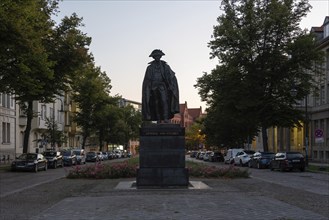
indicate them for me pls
(195, 112)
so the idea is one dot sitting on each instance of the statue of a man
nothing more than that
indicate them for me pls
(160, 96)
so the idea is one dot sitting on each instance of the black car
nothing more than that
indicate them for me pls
(29, 161)
(216, 157)
(55, 159)
(92, 156)
(260, 160)
(69, 158)
(288, 161)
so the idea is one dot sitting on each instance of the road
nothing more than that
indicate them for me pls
(307, 181)
(266, 195)
(13, 182)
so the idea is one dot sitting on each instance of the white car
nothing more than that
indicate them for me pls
(100, 155)
(242, 158)
(230, 154)
(206, 156)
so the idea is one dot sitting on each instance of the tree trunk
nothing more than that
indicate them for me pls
(100, 139)
(29, 117)
(264, 136)
(84, 138)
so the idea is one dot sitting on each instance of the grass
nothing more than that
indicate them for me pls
(5, 167)
(316, 168)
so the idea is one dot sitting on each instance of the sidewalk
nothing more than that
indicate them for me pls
(319, 164)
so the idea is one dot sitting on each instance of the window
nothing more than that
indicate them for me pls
(326, 31)
(3, 97)
(6, 101)
(322, 95)
(51, 113)
(5, 133)
(43, 112)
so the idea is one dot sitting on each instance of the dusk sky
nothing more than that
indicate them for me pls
(124, 33)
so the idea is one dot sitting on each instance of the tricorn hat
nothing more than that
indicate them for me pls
(156, 52)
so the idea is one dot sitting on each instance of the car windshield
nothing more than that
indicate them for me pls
(294, 155)
(77, 152)
(268, 155)
(51, 154)
(249, 152)
(28, 157)
(67, 153)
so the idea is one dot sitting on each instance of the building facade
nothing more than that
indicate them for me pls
(8, 127)
(313, 137)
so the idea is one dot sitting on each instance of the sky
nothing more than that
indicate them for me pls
(124, 33)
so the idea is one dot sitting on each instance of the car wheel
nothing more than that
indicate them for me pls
(36, 168)
(271, 168)
(241, 164)
(45, 169)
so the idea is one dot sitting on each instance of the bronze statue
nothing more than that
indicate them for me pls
(160, 96)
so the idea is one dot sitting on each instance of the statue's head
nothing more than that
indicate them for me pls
(157, 53)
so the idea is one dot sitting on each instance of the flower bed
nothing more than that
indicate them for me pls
(128, 169)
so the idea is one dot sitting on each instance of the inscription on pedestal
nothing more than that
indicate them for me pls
(162, 156)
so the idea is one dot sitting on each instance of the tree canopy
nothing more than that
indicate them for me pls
(263, 54)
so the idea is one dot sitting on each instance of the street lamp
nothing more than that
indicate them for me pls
(293, 92)
(306, 132)
(53, 123)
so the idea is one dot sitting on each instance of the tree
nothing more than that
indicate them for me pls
(195, 136)
(91, 92)
(105, 115)
(126, 127)
(53, 134)
(26, 70)
(37, 59)
(262, 55)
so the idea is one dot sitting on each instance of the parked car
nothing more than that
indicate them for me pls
(69, 158)
(288, 161)
(242, 158)
(105, 155)
(230, 154)
(30, 161)
(118, 153)
(100, 155)
(261, 160)
(54, 158)
(81, 156)
(206, 156)
(111, 155)
(193, 154)
(200, 155)
(92, 156)
(216, 157)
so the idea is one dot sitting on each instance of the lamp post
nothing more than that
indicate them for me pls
(306, 132)
(293, 92)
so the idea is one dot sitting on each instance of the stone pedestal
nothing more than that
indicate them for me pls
(162, 157)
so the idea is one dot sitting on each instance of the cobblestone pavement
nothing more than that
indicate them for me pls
(226, 199)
